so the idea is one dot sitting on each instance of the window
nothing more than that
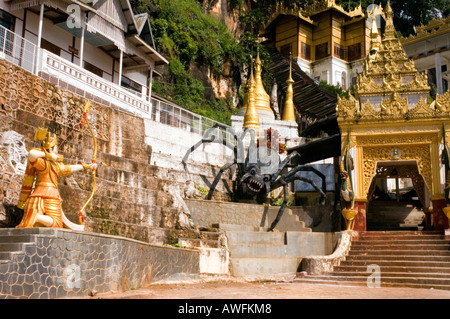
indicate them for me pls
(343, 80)
(305, 51)
(130, 84)
(354, 52)
(321, 50)
(93, 69)
(7, 21)
(47, 45)
(339, 51)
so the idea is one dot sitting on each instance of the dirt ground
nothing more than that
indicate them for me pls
(285, 288)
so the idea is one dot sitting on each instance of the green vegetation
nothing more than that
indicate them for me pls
(334, 89)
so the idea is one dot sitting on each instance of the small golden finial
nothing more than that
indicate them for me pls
(288, 111)
(389, 18)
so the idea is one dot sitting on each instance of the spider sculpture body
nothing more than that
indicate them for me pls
(260, 171)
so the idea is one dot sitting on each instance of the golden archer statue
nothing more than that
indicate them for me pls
(42, 205)
(40, 198)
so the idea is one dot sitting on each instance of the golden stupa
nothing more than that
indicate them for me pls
(251, 118)
(262, 99)
(288, 111)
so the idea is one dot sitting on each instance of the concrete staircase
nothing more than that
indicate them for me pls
(416, 259)
(394, 216)
(204, 238)
(254, 252)
(14, 242)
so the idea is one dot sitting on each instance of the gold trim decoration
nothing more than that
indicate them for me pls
(434, 28)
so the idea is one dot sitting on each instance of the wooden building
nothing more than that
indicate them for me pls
(326, 41)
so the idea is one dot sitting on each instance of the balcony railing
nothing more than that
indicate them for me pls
(71, 77)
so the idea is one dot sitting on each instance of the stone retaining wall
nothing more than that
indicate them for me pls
(61, 263)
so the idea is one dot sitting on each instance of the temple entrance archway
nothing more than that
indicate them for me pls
(396, 197)
(392, 121)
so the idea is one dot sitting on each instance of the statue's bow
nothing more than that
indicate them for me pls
(82, 214)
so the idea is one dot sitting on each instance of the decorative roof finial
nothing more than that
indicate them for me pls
(388, 17)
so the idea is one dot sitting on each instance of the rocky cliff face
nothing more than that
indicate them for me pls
(222, 11)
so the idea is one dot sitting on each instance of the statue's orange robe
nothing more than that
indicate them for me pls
(45, 198)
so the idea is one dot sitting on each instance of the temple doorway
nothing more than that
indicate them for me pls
(396, 197)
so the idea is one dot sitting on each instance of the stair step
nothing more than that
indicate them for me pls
(235, 227)
(257, 250)
(399, 253)
(402, 241)
(396, 238)
(396, 268)
(394, 263)
(386, 279)
(252, 237)
(5, 255)
(242, 267)
(387, 258)
(7, 247)
(391, 274)
(445, 247)
(198, 243)
(400, 233)
(210, 235)
(16, 238)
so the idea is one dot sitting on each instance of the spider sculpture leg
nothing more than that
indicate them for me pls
(237, 149)
(217, 179)
(281, 210)
(290, 177)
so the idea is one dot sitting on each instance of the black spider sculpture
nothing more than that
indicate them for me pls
(260, 171)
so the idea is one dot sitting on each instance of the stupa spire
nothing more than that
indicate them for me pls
(251, 118)
(288, 111)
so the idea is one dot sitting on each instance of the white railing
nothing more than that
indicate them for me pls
(71, 77)
(17, 50)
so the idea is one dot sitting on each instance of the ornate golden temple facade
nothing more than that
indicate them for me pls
(392, 122)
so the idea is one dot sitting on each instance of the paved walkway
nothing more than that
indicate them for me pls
(233, 288)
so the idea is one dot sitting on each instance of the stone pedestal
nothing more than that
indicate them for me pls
(360, 221)
(438, 219)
